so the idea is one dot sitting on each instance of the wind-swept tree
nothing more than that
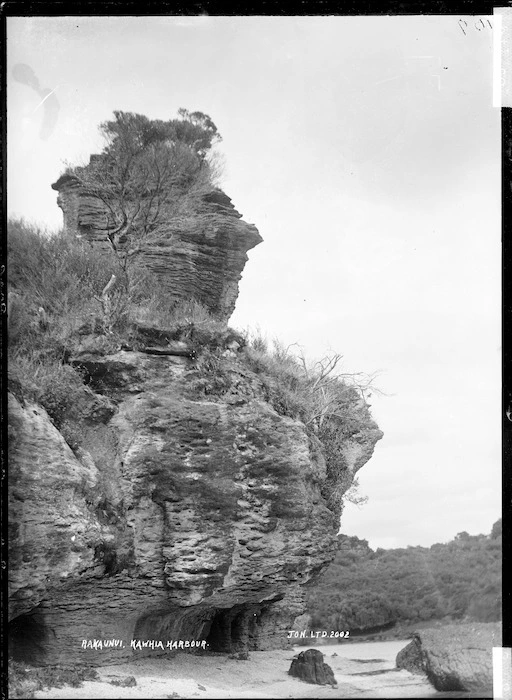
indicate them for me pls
(150, 172)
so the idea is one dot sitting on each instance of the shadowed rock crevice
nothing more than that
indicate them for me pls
(234, 629)
(228, 630)
(28, 638)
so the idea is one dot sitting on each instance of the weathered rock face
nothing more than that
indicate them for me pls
(182, 516)
(310, 667)
(189, 508)
(201, 257)
(54, 531)
(457, 657)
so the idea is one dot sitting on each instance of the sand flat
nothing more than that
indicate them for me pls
(362, 671)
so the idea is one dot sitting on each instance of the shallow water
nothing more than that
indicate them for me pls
(377, 651)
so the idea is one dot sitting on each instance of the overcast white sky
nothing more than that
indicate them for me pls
(367, 152)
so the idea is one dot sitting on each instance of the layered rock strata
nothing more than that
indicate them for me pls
(183, 515)
(198, 257)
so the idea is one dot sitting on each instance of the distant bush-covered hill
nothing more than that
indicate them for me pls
(364, 590)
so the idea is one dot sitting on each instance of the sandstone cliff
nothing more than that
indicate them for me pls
(182, 515)
(180, 494)
(200, 257)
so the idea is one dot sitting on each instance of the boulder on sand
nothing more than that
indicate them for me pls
(455, 657)
(309, 666)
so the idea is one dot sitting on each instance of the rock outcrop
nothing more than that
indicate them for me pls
(197, 257)
(181, 516)
(456, 657)
(309, 666)
(178, 502)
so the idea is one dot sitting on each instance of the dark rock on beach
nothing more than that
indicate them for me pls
(128, 682)
(310, 667)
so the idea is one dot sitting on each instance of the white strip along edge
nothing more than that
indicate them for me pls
(502, 673)
(502, 57)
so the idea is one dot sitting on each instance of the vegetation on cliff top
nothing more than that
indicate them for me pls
(365, 589)
(148, 173)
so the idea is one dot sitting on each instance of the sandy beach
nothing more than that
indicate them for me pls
(362, 670)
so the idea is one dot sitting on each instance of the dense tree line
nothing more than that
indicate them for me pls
(365, 589)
